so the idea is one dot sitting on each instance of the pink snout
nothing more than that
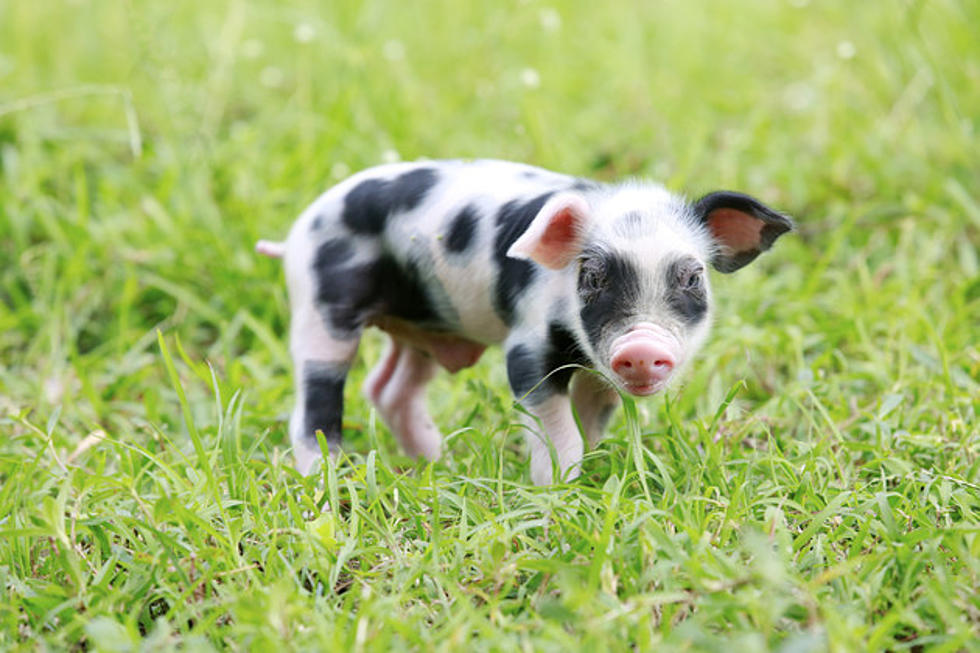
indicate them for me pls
(643, 359)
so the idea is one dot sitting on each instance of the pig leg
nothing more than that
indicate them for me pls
(397, 388)
(380, 375)
(542, 388)
(594, 400)
(321, 362)
(558, 429)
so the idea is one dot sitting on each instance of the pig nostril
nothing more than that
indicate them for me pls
(626, 364)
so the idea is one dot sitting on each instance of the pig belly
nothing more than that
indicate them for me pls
(451, 351)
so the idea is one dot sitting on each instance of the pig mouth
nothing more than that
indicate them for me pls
(643, 389)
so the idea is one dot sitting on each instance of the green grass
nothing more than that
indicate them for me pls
(814, 485)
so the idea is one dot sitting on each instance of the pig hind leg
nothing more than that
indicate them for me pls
(594, 400)
(379, 377)
(321, 362)
(396, 386)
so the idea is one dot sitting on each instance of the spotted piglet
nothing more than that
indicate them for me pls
(449, 257)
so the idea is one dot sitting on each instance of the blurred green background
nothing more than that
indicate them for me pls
(145, 147)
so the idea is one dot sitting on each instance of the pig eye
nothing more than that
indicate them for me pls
(692, 278)
(686, 292)
(687, 276)
(591, 278)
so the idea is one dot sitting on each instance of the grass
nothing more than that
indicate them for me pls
(814, 485)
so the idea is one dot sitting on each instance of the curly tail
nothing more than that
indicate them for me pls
(270, 249)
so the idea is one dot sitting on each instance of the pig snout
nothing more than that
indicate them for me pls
(643, 359)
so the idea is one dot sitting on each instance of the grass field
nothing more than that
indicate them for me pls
(813, 485)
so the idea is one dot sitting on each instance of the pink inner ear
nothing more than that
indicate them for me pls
(739, 231)
(559, 236)
(554, 237)
(561, 241)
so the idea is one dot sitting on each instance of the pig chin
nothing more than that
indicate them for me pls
(639, 390)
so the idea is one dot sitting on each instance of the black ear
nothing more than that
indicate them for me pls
(742, 227)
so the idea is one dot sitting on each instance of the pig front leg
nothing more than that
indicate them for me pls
(545, 397)
(321, 363)
(396, 387)
(594, 400)
(559, 429)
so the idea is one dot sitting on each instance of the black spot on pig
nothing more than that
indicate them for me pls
(461, 230)
(403, 293)
(609, 289)
(536, 373)
(348, 296)
(686, 294)
(563, 349)
(366, 208)
(412, 187)
(369, 204)
(337, 288)
(323, 390)
(513, 275)
(523, 372)
(316, 224)
(331, 254)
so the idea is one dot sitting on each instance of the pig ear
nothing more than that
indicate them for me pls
(555, 236)
(741, 226)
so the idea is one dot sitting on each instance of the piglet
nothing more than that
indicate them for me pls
(592, 289)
